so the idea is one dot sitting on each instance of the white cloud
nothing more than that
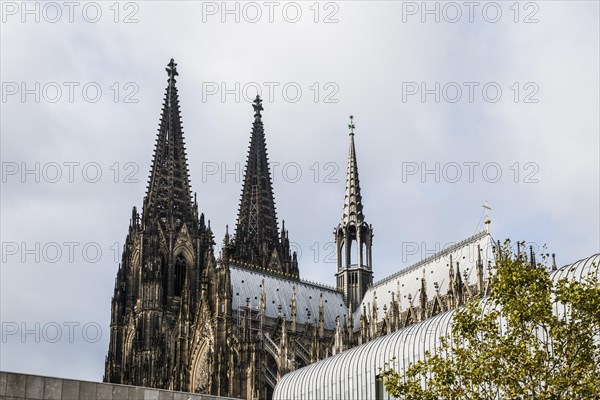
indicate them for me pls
(367, 55)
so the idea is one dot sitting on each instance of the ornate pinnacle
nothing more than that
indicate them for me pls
(172, 70)
(351, 125)
(257, 105)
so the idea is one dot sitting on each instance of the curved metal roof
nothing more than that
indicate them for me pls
(352, 373)
(247, 283)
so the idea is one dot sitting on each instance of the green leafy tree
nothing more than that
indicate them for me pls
(512, 345)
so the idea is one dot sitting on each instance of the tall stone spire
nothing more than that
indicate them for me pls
(353, 237)
(159, 289)
(257, 240)
(353, 208)
(168, 195)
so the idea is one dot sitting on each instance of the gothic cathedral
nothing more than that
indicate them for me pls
(233, 325)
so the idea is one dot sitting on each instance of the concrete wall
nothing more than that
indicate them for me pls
(21, 386)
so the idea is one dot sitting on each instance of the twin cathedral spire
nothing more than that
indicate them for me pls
(168, 197)
(170, 290)
(184, 319)
(166, 256)
(257, 241)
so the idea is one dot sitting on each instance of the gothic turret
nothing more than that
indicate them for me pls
(353, 237)
(257, 240)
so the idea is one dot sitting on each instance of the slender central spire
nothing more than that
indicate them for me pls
(353, 208)
(168, 197)
(353, 237)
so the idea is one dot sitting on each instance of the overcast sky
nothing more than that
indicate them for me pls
(496, 102)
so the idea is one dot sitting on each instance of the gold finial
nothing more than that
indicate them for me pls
(487, 219)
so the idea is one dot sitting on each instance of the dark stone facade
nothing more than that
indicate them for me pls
(233, 325)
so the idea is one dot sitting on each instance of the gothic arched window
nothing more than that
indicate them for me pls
(180, 269)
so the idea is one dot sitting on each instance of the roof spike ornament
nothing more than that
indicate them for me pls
(487, 221)
(294, 309)
(262, 305)
(532, 257)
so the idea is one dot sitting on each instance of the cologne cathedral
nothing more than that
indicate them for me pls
(233, 324)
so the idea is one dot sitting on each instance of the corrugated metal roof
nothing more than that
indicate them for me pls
(247, 283)
(352, 373)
